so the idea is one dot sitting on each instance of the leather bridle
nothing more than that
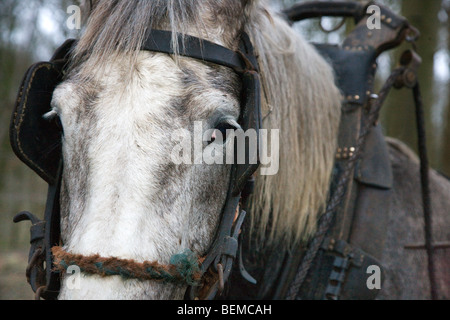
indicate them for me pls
(217, 264)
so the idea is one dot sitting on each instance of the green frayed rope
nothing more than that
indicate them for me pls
(187, 266)
(183, 267)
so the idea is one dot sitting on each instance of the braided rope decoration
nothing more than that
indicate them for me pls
(184, 268)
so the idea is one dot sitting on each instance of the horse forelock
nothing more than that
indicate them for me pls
(117, 27)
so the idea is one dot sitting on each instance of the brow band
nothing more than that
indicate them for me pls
(193, 47)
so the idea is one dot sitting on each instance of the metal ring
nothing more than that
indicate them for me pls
(412, 34)
(32, 262)
(336, 28)
(39, 292)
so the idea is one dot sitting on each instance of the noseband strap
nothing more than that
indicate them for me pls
(183, 268)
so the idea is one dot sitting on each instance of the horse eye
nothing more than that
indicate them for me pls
(221, 129)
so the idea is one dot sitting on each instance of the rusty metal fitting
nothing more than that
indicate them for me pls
(411, 61)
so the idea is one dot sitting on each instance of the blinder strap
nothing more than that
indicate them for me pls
(250, 119)
(37, 141)
(64, 50)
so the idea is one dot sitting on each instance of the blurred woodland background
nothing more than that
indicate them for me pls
(31, 30)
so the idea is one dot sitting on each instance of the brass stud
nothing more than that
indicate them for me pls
(389, 20)
(383, 17)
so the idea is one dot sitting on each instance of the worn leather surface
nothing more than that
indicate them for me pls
(353, 71)
(374, 168)
(314, 9)
(35, 140)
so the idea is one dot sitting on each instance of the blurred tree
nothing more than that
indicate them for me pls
(30, 31)
(445, 42)
(398, 115)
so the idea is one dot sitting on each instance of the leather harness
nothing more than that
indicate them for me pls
(338, 270)
(354, 239)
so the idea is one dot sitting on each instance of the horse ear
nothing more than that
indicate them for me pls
(249, 3)
(87, 5)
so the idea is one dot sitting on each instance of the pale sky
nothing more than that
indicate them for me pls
(51, 24)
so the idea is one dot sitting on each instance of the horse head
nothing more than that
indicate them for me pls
(152, 186)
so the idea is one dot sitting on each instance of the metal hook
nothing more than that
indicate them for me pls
(336, 28)
(412, 34)
(25, 215)
(39, 292)
(33, 262)
(221, 281)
